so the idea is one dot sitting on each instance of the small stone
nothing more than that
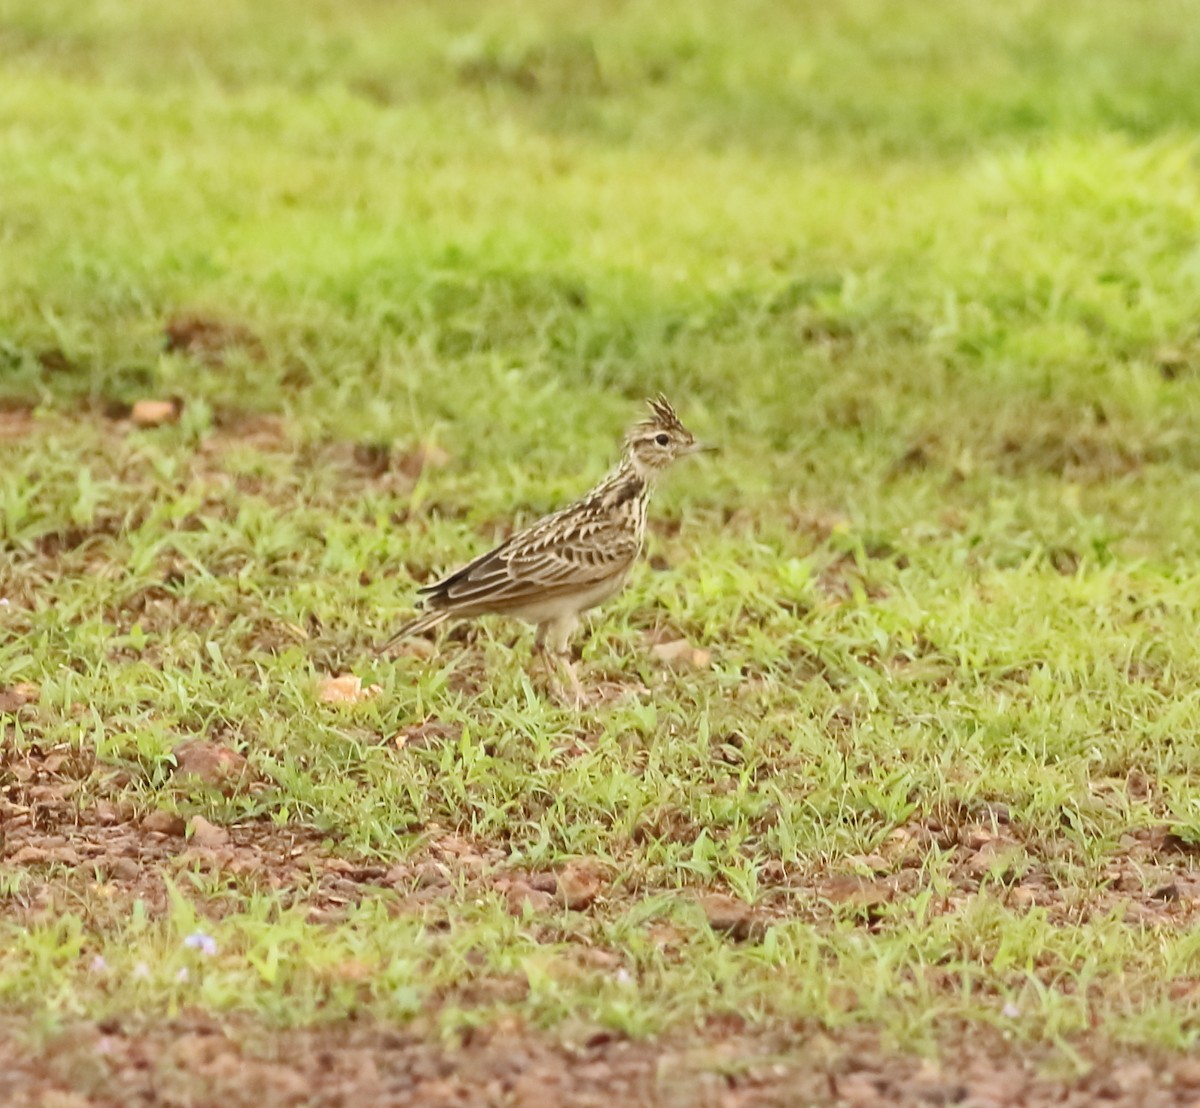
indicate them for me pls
(681, 652)
(1187, 1072)
(211, 764)
(346, 689)
(154, 413)
(996, 856)
(165, 823)
(1133, 1077)
(731, 917)
(519, 894)
(208, 835)
(544, 882)
(432, 875)
(579, 884)
(107, 814)
(123, 869)
(857, 1089)
(876, 863)
(855, 891)
(14, 698)
(398, 874)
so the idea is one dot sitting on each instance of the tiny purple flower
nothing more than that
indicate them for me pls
(198, 940)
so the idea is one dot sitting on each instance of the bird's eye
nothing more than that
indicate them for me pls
(663, 440)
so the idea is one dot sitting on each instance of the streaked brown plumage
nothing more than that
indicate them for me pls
(570, 561)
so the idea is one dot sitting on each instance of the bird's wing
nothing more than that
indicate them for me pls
(559, 555)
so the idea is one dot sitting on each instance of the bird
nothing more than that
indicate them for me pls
(572, 560)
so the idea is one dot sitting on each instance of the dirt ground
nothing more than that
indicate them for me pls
(195, 1060)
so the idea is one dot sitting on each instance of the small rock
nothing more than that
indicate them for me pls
(681, 652)
(857, 1089)
(1187, 1072)
(998, 856)
(858, 892)
(579, 884)
(979, 837)
(122, 869)
(30, 856)
(108, 814)
(518, 894)
(432, 875)
(165, 823)
(731, 917)
(65, 855)
(544, 882)
(1133, 1077)
(154, 413)
(399, 874)
(346, 689)
(17, 696)
(208, 835)
(211, 764)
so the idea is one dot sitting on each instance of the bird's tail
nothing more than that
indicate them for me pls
(423, 622)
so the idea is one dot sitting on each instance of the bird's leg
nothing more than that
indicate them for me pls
(578, 696)
(558, 644)
(540, 660)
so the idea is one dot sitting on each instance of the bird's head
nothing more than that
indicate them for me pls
(654, 443)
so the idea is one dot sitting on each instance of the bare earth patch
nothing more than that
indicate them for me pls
(196, 1061)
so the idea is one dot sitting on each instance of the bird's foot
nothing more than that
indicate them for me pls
(576, 698)
(552, 667)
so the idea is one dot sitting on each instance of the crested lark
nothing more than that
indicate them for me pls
(565, 563)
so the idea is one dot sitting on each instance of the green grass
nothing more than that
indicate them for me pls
(929, 273)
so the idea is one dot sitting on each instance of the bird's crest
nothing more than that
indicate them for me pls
(663, 415)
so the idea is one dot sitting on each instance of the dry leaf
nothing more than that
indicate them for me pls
(18, 696)
(346, 689)
(154, 413)
(681, 652)
(165, 823)
(207, 834)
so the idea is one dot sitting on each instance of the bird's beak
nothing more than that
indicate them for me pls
(701, 448)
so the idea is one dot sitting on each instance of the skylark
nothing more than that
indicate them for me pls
(570, 561)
